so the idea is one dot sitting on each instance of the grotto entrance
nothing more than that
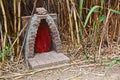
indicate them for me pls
(43, 37)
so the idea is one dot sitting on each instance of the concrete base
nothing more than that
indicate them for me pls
(47, 59)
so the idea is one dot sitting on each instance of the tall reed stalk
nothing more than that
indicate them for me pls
(15, 15)
(5, 23)
(70, 21)
(76, 24)
(19, 25)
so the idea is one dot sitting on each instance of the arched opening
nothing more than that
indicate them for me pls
(43, 36)
(43, 40)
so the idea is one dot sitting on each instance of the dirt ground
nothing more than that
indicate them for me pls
(86, 71)
(77, 72)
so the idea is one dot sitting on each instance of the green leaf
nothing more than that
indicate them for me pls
(102, 18)
(90, 9)
(111, 64)
(102, 4)
(90, 12)
(31, 71)
(0, 55)
(86, 9)
(6, 47)
(115, 11)
(80, 7)
(118, 60)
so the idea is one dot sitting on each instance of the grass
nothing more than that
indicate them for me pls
(89, 14)
(5, 54)
(113, 62)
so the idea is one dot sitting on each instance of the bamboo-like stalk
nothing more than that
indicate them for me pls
(64, 12)
(118, 40)
(48, 6)
(80, 8)
(22, 30)
(54, 7)
(62, 15)
(58, 19)
(1, 36)
(103, 33)
(3, 56)
(81, 17)
(15, 21)
(76, 25)
(19, 24)
(70, 21)
(5, 22)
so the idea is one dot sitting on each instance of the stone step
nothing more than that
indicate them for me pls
(47, 59)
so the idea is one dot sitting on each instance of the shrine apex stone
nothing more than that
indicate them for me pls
(41, 11)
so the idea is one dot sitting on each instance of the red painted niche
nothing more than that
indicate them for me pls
(43, 38)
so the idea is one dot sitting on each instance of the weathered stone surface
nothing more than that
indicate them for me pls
(47, 59)
(41, 11)
(34, 63)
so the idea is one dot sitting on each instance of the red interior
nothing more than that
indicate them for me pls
(43, 39)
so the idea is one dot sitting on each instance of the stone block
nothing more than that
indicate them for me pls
(33, 63)
(47, 59)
